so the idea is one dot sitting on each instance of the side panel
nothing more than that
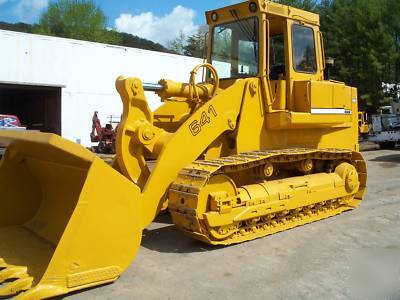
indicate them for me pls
(311, 94)
(258, 130)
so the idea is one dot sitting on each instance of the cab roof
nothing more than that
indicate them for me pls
(265, 6)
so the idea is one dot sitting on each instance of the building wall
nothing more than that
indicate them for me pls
(87, 72)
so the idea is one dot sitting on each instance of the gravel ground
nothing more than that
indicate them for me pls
(355, 255)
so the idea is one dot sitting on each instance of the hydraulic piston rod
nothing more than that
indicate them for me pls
(152, 87)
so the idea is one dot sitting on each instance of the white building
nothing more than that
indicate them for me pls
(55, 84)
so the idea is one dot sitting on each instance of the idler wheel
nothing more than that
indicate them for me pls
(350, 176)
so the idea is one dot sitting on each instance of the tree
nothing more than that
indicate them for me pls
(310, 5)
(391, 15)
(356, 36)
(76, 19)
(129, 40)
(177, 45)
(196, 43)
(19, 27)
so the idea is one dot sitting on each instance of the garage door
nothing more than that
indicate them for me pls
(38, 107)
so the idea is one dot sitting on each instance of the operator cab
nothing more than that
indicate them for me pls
(272, 42)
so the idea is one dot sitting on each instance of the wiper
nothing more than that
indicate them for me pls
(242, 27)
(255, 30)
(247, 30)
(255, 42)
(222, 29)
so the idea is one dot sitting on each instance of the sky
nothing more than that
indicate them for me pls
(160, 21)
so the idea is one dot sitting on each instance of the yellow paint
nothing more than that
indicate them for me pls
(363, 127)
(70, 215)
(69, 221)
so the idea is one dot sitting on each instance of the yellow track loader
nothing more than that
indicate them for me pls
(363, 126)
(265, 143)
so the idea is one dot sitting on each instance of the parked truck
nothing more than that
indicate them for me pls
(386, 123)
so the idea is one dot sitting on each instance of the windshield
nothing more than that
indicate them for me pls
(235, 48)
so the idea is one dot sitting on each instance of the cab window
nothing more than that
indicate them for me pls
(234, 51)
(304, 59)
(277, 57)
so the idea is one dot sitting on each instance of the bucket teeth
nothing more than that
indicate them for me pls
(22, 280)
(13, 272)
(16, 286)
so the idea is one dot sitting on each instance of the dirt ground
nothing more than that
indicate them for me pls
(355, 255)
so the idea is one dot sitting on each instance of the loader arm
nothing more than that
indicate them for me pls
(60, 232)
(174, 151)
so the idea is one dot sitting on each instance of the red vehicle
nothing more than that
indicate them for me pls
(105, 136)
(9, 122)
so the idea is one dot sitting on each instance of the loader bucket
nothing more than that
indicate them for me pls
(68, 221)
